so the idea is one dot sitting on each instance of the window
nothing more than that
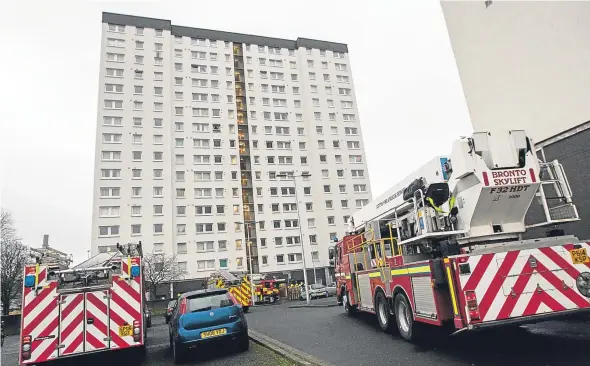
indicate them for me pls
(357, 173)
(181, 249)
(200, 112)
(222, 245)
(355, 158)
(110, 174)
(342, 78)
(114, 88)
(116, 28)
(206, 265)
(202, 176)
(348, 117)
(204, 228)
(113, 104)
(112, 121)
(205, 246)
(158, 191)
(294, 257)
(136, 229)
(202, 192)
(115, 57)
(361, 203)
(180, 193)
(136, 192)
(291, 223)
(111, 156)
(114, 73)
(327, 188)
(111, 138)
(108, 211)
(181, 229)
(203, 210)
(108, 231)
(180, 210)
(138, 106)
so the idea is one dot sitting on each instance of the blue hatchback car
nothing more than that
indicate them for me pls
(204, 316)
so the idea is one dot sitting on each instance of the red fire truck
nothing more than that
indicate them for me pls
(445, 246)
(93, 307)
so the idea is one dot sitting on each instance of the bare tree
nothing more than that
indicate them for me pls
(14, 256)
(160, 269)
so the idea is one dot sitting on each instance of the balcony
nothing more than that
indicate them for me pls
(244, 150)
(238, 65)
(246, 182)
(238, 51)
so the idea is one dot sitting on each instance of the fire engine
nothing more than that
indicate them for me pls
(267, 290)
(445, 246)
(93, 307)
(237, 284)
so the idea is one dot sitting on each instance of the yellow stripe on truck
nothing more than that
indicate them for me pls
(453, 298)
(411, 270)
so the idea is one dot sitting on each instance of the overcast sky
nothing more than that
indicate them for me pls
(409, 94)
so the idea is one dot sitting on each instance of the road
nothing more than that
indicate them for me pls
(159, 354)
(331, 335)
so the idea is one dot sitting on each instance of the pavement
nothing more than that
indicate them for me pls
(331, 335)
(158, 354)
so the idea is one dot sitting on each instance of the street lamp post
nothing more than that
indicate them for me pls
(245, 223)
(306, 175)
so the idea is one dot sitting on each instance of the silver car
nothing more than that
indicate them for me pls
(316, 291)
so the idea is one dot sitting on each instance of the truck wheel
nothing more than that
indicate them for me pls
(348, 309)
(245, 308)
(384, 317)
(404, 318)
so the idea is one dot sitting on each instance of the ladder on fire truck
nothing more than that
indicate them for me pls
(374, 253)
(95, 271)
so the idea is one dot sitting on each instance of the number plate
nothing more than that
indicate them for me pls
(579, 256)
(125, 330)
(213, 333)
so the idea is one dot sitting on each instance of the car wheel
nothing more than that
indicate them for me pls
(243, 343)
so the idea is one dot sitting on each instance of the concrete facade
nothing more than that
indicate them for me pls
(195, 128)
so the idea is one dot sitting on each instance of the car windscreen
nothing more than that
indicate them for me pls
(208, 302)
(317, 287)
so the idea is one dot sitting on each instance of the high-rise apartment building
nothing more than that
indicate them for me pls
(200, 131)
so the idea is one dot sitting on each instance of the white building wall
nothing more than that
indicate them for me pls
(168, 241)
(523, 64)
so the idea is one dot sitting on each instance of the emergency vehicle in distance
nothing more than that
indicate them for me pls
(444, 247)
(95, 306)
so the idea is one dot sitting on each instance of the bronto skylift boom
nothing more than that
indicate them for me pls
(480, 194)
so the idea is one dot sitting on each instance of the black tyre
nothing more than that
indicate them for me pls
(178, 354)
(406, 325)
(348, 309)
(243, 343)
(384, 317)
(246, 308)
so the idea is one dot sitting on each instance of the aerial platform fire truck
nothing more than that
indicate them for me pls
(96, 306)
(445, 246)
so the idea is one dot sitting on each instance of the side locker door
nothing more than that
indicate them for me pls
(97, 321)
(71, 324)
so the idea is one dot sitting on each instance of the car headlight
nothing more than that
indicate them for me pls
(583, 283)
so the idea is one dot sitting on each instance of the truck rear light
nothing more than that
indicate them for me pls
(136, 331)
(472, 305)
(26, 348)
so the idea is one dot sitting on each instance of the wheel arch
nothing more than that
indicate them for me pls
(399, 289)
